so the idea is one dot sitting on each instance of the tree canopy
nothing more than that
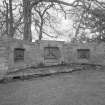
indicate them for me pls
(17, 17)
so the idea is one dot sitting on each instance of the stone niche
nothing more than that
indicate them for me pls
(51, 52)
(19, 54)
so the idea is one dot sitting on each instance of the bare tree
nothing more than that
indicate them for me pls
(11, 21)
(27, 20)
(27, 8)
(42, 10)
(85, 7)
(90, 15)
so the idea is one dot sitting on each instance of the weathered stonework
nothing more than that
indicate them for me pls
(3, 57)
(34, 54)
(97, 53)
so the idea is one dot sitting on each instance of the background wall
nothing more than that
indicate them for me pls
(97, 53)
(34, 53)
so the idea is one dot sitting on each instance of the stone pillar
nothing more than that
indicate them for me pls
(3, 58)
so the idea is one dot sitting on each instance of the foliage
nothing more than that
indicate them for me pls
(90, 17)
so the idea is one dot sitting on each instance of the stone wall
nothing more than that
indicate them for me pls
(34, 54)
(52, 44)
(3, 57)
(31, 54)
(96, 56)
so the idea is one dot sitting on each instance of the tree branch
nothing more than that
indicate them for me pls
(35, 2)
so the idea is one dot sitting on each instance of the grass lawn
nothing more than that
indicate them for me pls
(76, 88)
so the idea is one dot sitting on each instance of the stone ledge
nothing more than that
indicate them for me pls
(46, 71)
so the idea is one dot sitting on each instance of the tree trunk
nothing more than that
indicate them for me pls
(41, 29)
(27, 20)
(11, 32)
(7, 19)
